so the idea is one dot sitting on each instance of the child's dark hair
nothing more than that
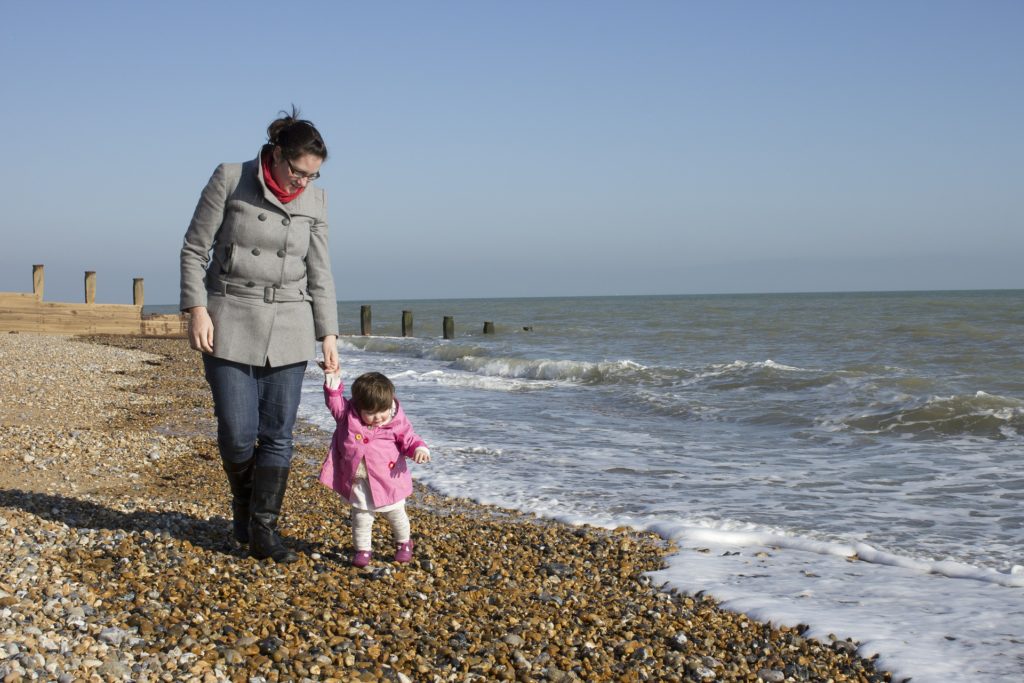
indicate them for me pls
(373, 392)
(296, 137)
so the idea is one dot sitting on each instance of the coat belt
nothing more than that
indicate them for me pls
(271, 294)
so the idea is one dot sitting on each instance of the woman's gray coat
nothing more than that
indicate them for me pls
(268, 286)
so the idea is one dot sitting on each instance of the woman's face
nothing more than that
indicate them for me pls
(293, 174)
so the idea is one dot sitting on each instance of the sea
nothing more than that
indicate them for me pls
(849, 461)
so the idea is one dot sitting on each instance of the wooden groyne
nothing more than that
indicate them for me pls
(23, 312)
(447, 324)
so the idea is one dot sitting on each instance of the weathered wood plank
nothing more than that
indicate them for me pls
(16, 298)
(164, 325)
(27, 301)
(24, 313)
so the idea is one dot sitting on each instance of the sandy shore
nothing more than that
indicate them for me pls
(116, 564)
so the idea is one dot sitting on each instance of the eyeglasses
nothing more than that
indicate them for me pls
(301, 175)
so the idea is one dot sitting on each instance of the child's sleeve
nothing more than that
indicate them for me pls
(409, 441)
(334, 395)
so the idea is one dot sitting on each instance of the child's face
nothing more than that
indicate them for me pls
(375, 419)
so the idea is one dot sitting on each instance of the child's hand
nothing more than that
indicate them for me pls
(332, 378)
(421, 456)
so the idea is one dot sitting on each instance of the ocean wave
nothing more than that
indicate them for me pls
(767, 375)
(472, 381)
(764, 375)
(413, 347)
(477, 450)
(481, 361)
(606, 372)
(686, 534)
(640, 472)
(678, 404)
(980, 414)
(374, 344)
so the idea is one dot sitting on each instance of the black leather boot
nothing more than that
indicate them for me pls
(240, 480)
(268, 486)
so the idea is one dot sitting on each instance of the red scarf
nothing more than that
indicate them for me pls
(268, 179)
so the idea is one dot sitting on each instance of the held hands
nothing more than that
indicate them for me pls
(200, 329)
(331, 379)
(323, 366)
(421, 456)
(330, 365)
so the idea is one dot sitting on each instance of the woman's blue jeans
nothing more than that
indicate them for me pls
(255, 408)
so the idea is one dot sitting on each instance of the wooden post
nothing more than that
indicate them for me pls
(364, 320)
(90, 286)
(137, 291)
(37, 281)
(406, 323)
(488, 328)
(448, 324)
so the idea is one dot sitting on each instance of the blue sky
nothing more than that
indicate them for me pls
(530, 148)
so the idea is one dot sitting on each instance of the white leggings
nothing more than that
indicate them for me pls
(362, 526)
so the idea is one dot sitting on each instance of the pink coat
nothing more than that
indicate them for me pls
(384, 450)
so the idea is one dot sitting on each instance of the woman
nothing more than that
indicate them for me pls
(256, 282)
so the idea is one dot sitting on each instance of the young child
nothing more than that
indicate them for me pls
(367, 460)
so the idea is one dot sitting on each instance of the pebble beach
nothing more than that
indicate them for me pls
(116, 562)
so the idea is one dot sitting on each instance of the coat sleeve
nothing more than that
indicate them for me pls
(199, 238)
(335, 399)
(319, 280)
(408, 440)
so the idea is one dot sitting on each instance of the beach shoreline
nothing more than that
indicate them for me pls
(118, 566)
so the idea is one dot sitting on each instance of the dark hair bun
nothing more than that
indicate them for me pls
(296, 137)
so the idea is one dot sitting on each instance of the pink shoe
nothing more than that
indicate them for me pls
(404, 552)
(362, 558)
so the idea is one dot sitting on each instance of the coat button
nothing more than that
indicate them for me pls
(359, 437)
(286, 221)
(280, 253)
(391, 465)
(262, 216)
(256, 251)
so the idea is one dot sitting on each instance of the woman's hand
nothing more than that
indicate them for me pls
(330, 364)
(200, 329)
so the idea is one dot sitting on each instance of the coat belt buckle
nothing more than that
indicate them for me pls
(269, 294)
